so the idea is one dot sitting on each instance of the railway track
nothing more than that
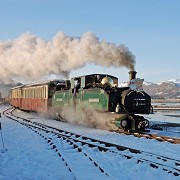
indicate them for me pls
(83, 145)
(152, 136)
(57, 142)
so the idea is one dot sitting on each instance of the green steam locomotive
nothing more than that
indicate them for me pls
(96, 99)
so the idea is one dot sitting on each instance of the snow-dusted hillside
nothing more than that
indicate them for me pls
(165, 89)
(169, 89)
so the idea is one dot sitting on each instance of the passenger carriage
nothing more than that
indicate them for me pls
(34, 97)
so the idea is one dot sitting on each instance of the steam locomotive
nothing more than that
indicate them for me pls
(95, 92)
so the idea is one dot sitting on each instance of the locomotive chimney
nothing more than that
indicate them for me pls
(132, 75)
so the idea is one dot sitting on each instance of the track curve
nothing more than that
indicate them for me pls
(78, 142)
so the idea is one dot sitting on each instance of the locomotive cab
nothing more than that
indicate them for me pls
(94, 81)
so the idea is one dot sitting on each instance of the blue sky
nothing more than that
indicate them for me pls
(150, 28)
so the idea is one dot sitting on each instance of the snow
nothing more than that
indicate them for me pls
(29, 156)
(171, 81)
(147, 83)
(175, 81)
(124, 84)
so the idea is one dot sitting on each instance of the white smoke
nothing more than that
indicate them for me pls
(30, 57)
(89, 117)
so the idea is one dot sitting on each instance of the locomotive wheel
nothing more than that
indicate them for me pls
(125, 124)
(146, 123)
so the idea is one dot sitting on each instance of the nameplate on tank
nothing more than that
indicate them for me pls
(94, 100)
(59, 99)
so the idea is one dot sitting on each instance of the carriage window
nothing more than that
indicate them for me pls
(35, 92)
(28, 93)
(41, 91)
(32, 92)
(45, 92)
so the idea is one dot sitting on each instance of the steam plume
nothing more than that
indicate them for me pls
(89, 117)
(30, 57)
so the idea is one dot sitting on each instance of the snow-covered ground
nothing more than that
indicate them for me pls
(165, 116)
(29, 157)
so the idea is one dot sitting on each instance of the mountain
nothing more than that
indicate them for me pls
(169, 89)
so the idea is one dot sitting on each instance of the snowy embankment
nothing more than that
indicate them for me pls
(30, 157)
